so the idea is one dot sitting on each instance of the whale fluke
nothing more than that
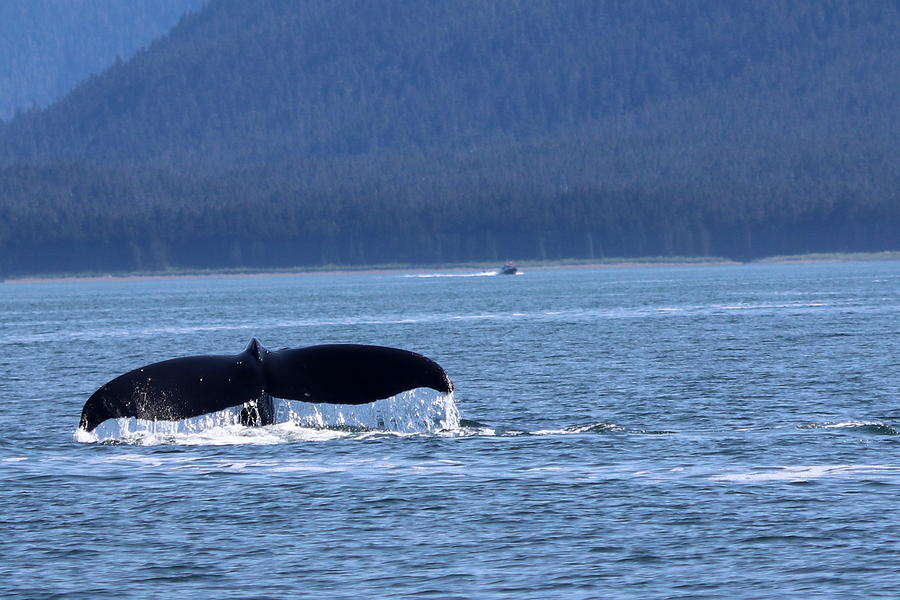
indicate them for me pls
(191, 386)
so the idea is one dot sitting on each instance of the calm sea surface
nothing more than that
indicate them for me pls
(666, 432)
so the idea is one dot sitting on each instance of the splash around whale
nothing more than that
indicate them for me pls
(181, 388)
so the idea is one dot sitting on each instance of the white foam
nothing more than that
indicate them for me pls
(848, 424)
(414, 412)
(588, 428)
(805, 473)
(441, 275)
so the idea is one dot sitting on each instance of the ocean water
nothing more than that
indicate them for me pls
(656, 432)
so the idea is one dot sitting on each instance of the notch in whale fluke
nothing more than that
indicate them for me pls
(191, 386)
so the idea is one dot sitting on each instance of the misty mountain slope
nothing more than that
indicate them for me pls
(264, 80)
(48, 46)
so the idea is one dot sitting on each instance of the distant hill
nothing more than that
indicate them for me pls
(48, 46)
(290, 132)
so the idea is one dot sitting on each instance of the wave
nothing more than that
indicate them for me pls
(600, 428)
(90, 332)
(872, 427)
(803, 473)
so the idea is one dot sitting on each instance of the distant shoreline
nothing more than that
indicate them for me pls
(417, 269)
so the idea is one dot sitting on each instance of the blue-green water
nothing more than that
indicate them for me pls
(651, 432)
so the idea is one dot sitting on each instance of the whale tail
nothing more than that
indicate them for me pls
(190, 386)
(350, 373)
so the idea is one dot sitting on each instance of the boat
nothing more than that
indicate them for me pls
(508, 269)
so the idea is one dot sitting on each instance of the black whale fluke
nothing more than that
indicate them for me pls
(186, 387)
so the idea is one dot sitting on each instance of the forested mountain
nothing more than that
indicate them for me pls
(48, 46)
(291, 132)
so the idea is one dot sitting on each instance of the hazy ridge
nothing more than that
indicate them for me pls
(48, 46)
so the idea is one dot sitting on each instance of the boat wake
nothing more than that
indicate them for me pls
(439, 275)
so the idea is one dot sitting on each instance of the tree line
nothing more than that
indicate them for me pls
(296, 133)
